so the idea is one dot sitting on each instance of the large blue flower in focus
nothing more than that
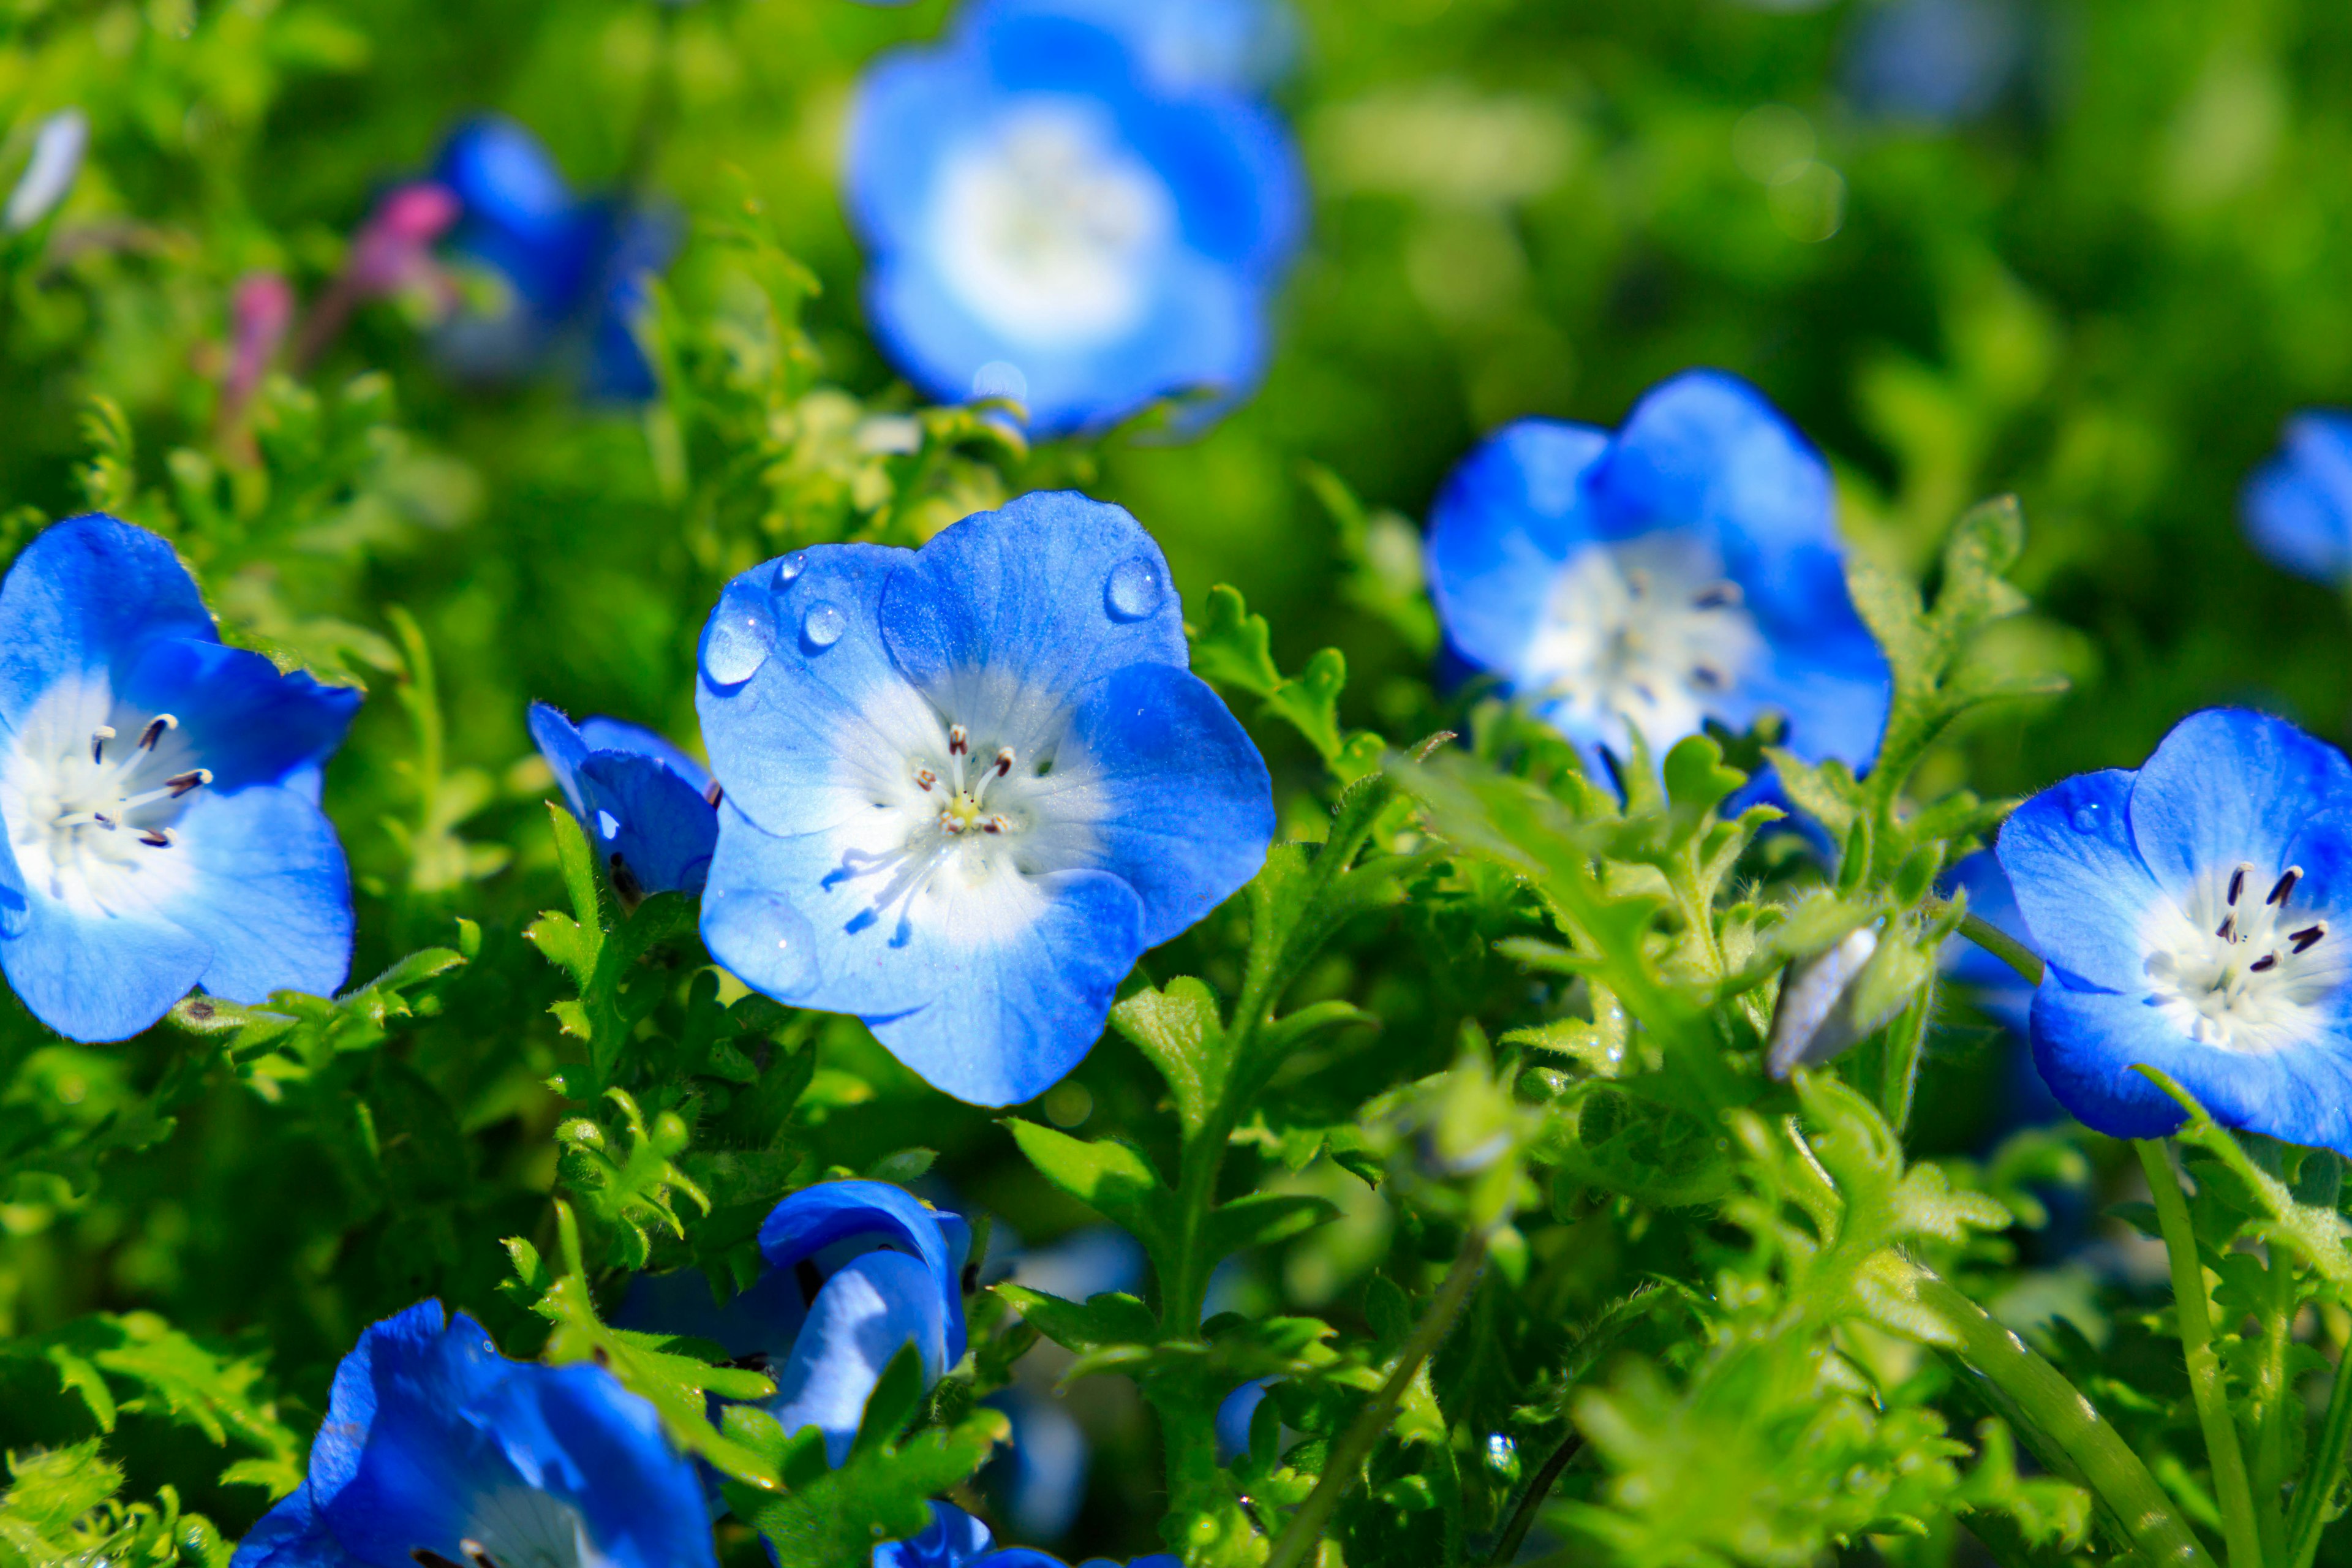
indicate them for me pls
(1685, 568)
(2193, 916)
(574, 269)
(159, 792)
(955, 1540)
(2298, 506)
(1051, 216)
(649, 810)
(968, 785)
(438, 1451)
(855, 1271)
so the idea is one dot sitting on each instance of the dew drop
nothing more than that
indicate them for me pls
(2087, 818)
(823, 626)
(740, 636)
(789, 568)
(1135, 589)
(608, 825)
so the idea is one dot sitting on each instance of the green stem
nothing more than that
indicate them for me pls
(1523, 1518)
(2194, 1308)
(2318, 1481)
(2003, 946)
(2079, 1439)
(1355, 1445)
(2275, 1400)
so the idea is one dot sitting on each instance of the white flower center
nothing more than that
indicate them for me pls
(90, 789)
(520, 1526)
(2243, 962)
(1648, 634)
(1046, 231)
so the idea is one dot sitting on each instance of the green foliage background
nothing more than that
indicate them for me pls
(2103, 297)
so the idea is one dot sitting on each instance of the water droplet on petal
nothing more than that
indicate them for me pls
(790, 567)
(1136, 587)
(608, 825)
(2087, 818)
(740, 636)
(823, 626)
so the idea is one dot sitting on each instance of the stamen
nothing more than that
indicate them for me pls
(479, 1553)
(2238, 881)
(158, 837)
(1716, 596)
(2228, 932)
(959, 740)
(2308, 935)
(1708, 676)
(2284, 885)
(2263, 964)
(1003, 761)
(195, 778)
(926, 778)
(98, 740)
(102, 820)
(426, 1558)
(805, 1276)
(999, 824)
(714, 794)
(154, 730)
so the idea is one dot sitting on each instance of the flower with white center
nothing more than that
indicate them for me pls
(650, 812)
(855, 1272)
(59, 146)
(2297, 507)
(2193, 916)
(1051, 214)
(1685, 569)
(159, 794)
(966, 786)
(438, 1452)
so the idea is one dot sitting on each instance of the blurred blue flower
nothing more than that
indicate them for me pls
(1181, 46)
(438, 1451)
(1053, 217)
(2298, 506)
(967, 786)
(1685, 568)
(2193, 917)
(160, 793)
(59, 144)
(1234, 1413)
(956, 1539)
(572, 272)
(649, 809)
(1935, 62)
(855, 1271)
(1995, 987)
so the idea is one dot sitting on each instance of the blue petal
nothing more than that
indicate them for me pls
(1234, 1413)
(817, 1217)
(952, 1540)
(1189, 806)
(94, 977)
(1054, 587)
(560, 742)
(292, 1535)
(662, 825)
(1042, 1477)
(872, 1307)
(2298, 506)
(1825, 673)
(1505, 519)
(602, 735)
(271, 896)
(763, 1321)
(249, 722)
(2081, 886)
(2227, 786)
(87, 594)
(2000, 990)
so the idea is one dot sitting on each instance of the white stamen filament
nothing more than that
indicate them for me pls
(2241, 974)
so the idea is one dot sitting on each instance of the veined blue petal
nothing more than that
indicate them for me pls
(2227, 786)
(2069, 858)
(89, 593)
(646, 816)
(598, 734)
(873, 1307)
(269, 894)
(1507, 516)
(96, 977)
(249, 721)
(823, 1216)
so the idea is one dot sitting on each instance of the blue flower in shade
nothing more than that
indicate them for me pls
(1993, 985)
(573, 271)
(967, 786)
(1686, 568)
(1050, 218)
(649, 809)
(857, 1270)
(438, 1451)
(2193, 916)
(1934, 62)
(956, 1539)
(160, 793)
(2298, 506)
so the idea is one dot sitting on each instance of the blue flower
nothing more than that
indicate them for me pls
(2298, 506)
(650, 810)
(968, 785)
(2194, 916)
(1181, 46)
(857, 1270)
(1934, 62)
(58, 144)
(575, 270)
(436, 1450)
(160, 793)
(1999, 989)
(1686, 568)
(956, 1539)
(1050, 218)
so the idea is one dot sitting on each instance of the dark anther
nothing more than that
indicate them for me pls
(625, 883)
(925, 778)
(714, 794)
(1003, 761)
(430, 1559)
(971, 1276)
(154, 730)
(2263, 964)
(959, 740)
(478, 1554)
(102, 820)
(98, 740)
(155, 836)
(810, 1281)
(2309, 934)
(2238, 882)
(195, 778)
(2228, 930)
(1706, 675)
(1715, 595)
(2284, 885)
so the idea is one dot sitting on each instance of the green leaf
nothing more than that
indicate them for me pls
(1179, 1030)
(1109, 1177)
(1262, 1219)
(1233, 649)
(898, 1395)
(1108, 1318)
(835, 1519)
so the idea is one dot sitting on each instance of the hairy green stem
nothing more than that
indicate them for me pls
(1355, 1445)
(2003, 946)
(1523, 1518)
(2275, 1400)
(2195, 1312)
(2310, 1516)
(2078, 1438)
